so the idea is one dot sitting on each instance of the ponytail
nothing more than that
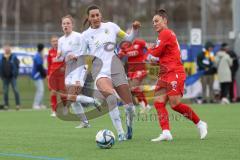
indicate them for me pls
(92, 7)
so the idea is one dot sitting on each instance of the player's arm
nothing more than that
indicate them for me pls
(133, 33)
(49, 62)
(163, 39)
(60, 56)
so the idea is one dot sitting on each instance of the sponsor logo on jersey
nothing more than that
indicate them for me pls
(174, 85)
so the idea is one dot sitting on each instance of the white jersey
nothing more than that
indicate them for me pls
(97, 40)
(72, 44)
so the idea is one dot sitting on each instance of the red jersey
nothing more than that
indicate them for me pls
(168, 51)
(52, 66)
(136, 55)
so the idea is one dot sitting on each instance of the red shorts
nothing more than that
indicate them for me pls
(140, 75)
(171, 84)
(56, 80)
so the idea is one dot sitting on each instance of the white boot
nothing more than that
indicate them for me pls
(165, 136)
(202, 127)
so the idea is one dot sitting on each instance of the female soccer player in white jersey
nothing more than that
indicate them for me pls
(100, 40)
(69, 47)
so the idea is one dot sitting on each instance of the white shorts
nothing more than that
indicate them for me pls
(76, 77)
(116, 74)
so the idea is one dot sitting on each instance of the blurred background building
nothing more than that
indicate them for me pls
(27, 22)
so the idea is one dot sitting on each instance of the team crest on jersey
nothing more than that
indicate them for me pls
(106, 31)
(174, 85)
(92, 37)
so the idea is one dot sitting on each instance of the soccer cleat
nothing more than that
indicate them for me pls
(202, 127)
(97, 104)
(83, 125)
(129, 133)
(163, 137)
(121, 137)
(225, 101)
(53, 114)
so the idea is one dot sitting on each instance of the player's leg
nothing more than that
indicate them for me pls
(53, 98)
(104, 85)
(163, 117)
(125, 94)
(138, 92)
(74, 83)
(120, 82)
(77, 106)
(184, 109)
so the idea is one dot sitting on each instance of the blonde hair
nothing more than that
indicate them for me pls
(69, 17)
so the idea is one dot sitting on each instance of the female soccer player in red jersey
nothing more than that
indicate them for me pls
(53, 66)
(136, 69)
(170, 84)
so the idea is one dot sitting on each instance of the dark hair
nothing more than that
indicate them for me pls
(162, 13)
(224, 45)
(40, 47)
(209, 45)
(92, 7)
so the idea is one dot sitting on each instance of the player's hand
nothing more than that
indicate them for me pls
(136, 25)
(150, 45)
(121, 54)
(71, 57)
(58, 58)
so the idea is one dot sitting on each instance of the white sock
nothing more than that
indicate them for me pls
(84, 99)
(166, 132)
(114, 113)
(199, 123)
(116, 120)
(78, 109)
(130, 111)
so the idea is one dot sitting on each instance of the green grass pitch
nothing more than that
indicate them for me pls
(35, 135)
(28, 134)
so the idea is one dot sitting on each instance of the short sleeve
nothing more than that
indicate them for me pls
(115, 27)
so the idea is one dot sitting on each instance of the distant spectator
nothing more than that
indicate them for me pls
(234, 69)
(38, 75)
(205, 61)
(9, 65)
(224, 63)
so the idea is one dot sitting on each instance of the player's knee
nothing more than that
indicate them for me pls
(174, 102)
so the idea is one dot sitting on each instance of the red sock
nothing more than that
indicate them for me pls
(141, 97)
(187, 112)
(54, 102)
(162, 115)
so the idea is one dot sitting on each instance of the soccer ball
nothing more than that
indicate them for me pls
(105, 139)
